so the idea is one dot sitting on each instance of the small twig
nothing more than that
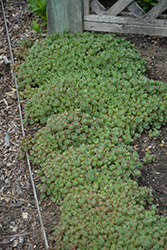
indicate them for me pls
(10, 196)
(14, 144)
(13, 130)
(22, 234)
(7, 140)
(5, 102)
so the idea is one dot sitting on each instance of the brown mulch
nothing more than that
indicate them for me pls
(18, 213)
(19, 221)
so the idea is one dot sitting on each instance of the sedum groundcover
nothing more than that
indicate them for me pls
(90, 92)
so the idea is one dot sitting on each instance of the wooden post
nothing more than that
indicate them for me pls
(64, 14)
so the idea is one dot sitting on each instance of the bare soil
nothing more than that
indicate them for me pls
(19, 222)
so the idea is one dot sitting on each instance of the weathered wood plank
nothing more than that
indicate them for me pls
(125, 25)
(137, 29)
(160, 7)
(129, 14)
(123, 20)
(97, 7)
(86, 4)
(135, 9)
(118, 7)
(64, 15)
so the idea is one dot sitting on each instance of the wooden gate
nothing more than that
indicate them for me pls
(125, 16)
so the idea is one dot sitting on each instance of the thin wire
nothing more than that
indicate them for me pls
(23, 133)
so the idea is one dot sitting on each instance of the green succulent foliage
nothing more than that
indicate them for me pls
(61, 96)
(125, 102)
(91, 93)
(78, 55)
(148, 158)
(63, 131)
(154, 133)
(91, 165)
(109, 218)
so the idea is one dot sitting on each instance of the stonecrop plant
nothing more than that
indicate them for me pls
(78, 56)
(90, 94)
(128, 105)
(81, 166)
(109, 219)
(69, 129)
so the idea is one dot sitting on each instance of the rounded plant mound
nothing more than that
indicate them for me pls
(64, 131)
(78, 55)
(90, 91)
(127, 103)
(64, 95)
(109, 218)
(90, 165)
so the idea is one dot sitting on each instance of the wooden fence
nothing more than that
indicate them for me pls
(124, 16)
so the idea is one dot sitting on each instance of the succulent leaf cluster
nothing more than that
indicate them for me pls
(62, 131)
(90, 92)
(79, 54)
(131, 105)
(109, 218)
(92, 165)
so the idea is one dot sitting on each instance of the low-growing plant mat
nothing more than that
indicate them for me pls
(93, 219)
(87, 165)
(79, 55)
(94, 102)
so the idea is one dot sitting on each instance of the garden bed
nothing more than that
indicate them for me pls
(154, 175)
